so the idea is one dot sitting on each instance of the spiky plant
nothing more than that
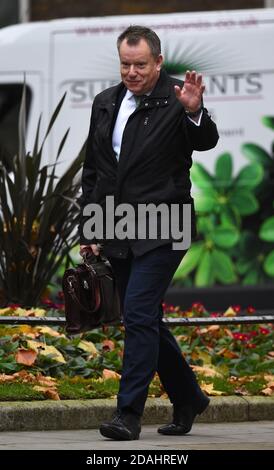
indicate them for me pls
(38, 217)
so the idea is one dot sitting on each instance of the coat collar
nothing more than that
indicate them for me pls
(161, 90)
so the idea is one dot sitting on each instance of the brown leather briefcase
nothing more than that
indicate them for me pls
(91, 295)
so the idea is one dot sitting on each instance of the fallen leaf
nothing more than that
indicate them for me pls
(5, 311)
(26, 356)
(205, 356)
(241, 391)
(228, 332)
(46, 381)
(20, 312)
(52, 394)
(39, 312)
(209, 390)
(268, 391)
(213, 328)
(46, 350)
(269, 377)
(26, 330)
(108, 345)
(25, 376)
(206, 371)
(110, 374)
(194, 355)
(227, 353)
(7, 378)
(230, 312)
(88, 346)
(46, 330)
(48, 392)
(182, 338)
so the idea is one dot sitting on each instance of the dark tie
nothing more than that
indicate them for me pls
(139, 99)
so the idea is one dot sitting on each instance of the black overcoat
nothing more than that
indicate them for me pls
(155, 156)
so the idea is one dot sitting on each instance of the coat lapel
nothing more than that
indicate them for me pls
(159, 96)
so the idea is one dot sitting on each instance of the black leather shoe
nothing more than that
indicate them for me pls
(183, 417)
(124, 426)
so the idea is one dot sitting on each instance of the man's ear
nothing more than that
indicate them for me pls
(159, 62)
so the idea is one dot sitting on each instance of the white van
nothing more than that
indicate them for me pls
(233, 49)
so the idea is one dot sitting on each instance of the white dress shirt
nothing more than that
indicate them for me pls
(127, 107)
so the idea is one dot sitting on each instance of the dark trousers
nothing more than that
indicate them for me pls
(149, 345)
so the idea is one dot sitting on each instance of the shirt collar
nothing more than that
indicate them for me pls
(129, 94)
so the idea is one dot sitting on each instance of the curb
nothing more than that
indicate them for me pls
(89, 414)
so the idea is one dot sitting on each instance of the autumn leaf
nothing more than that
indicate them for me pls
(7, 378)
(5, 311)
(25, 376)
(39, 312)
(182, 338)
(269, 377)
(46, 381)
(228, 332)
(268, 391)
(206, 371)
(26, 330)
(241, 391)
(205, 356)
(110, 374)
(194, 355)
(26, 356)
(230, 312)
(213, 330)
(88, 346)
(48, 392)
(209, 390)
(227, 353)
(46, 350)
(108, 345)
(20, 312)
(46, 330)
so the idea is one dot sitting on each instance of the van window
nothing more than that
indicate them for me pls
(10, 99)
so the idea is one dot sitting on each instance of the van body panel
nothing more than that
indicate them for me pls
(78, 56)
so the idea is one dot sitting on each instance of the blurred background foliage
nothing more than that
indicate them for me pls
(235, 222)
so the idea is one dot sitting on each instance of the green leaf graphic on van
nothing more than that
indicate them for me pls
(178, 60)
(268, 121)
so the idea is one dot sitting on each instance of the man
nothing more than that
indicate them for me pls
(141, 153)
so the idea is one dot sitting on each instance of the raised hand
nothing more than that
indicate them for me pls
(191, 94)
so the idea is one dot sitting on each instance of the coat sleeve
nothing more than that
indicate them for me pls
(89, 167)
(205, 136)
(88, 177)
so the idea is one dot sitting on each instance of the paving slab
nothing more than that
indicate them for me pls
(204, 436)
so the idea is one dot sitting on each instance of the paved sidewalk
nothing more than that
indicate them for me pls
(221, 436)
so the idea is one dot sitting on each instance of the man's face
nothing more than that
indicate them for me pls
(139, 69)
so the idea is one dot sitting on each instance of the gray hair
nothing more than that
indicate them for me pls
(133, 35)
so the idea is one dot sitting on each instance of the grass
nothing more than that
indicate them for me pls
(79, 388)
(18, 391)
